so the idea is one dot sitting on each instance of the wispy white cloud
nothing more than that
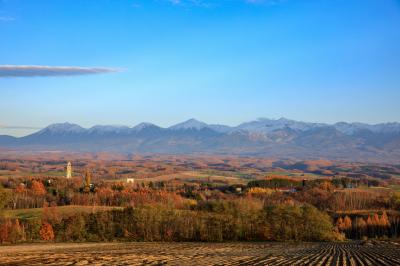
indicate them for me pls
(201, 3)
(45, 71)
(268, 2)
(208, 3)
(19, 127)
(5, 18)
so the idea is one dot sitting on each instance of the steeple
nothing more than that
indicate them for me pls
(69, 170)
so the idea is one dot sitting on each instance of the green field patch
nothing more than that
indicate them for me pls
(63, 211)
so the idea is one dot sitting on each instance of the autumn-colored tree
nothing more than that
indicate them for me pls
(304, 223)
(258, 191)
(38, 188)
(384, 224)
(384, 220)
(112, 171)
(395, 200)
(5, 228)
(38, 191)
(19, 197)
(369, 221)
(326, 185)
(16, 232)
(20, 188)
(340, 224)
(75, 228)
(347, 223)
(4, 198)
(375, 220)
(87, 181)
(46, 232)
(360, 227)
(105, 196)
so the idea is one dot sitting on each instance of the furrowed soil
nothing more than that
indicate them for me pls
(349, 253)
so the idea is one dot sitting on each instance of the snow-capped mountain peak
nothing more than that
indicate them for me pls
(189, 124)
(142, 126)
(101, 129)
(62, 128)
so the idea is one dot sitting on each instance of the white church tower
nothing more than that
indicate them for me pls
(69, 170)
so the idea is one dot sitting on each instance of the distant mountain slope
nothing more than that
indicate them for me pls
(281, 138)
(7, 140)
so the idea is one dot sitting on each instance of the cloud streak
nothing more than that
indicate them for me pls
(208, 3)
(51, 71)
(268, 2)
(6, 18)
(18, 127)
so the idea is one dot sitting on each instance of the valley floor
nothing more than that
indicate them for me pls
(350, 253)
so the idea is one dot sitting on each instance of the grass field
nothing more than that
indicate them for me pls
(351, 253)
(395, 187)
(63, 211)
(21, 174)
(194, 176)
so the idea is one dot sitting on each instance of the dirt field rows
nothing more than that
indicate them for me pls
(354, 253)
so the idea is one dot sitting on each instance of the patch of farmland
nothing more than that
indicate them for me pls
(63, 211)
(192, 175)
(348, 253)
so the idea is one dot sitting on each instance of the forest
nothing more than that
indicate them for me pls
(209, 205)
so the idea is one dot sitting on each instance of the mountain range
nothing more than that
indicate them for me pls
(280, 138)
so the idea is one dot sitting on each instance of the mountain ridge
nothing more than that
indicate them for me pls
(252, 126)
(262, 137)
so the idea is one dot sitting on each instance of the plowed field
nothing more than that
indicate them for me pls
(350, 253)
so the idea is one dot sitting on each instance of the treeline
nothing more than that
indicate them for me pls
(323, 194)
(35, 193)
(235, 221)
(342, 182)
(372, 226)
(275, 183)
(174, 211)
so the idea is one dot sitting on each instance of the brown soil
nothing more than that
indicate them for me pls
(353, 253)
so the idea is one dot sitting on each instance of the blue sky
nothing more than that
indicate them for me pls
(218, 61)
